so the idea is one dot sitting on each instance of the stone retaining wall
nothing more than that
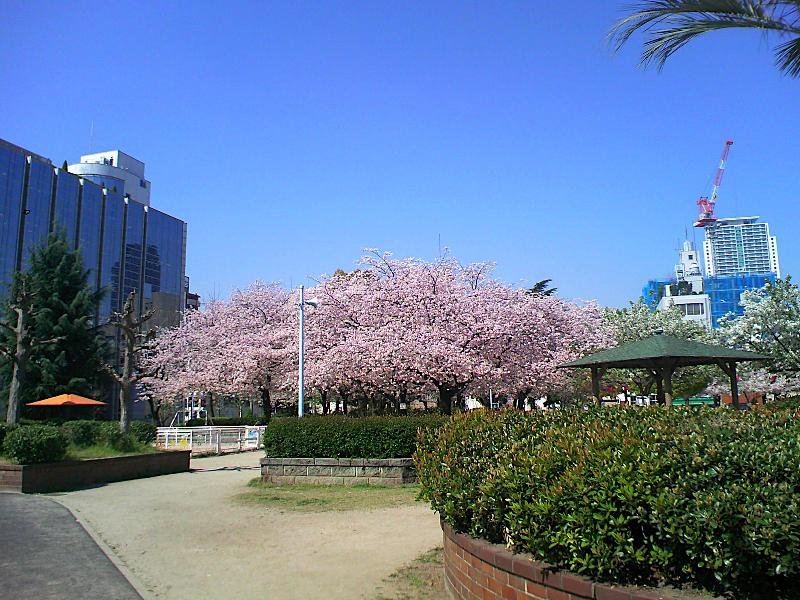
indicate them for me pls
(338, 471)
(477, 570)
(73, 474)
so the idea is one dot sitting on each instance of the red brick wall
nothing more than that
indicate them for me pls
(66, 475)
(477, 570)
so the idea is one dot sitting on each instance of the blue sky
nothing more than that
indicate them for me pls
(291, 136)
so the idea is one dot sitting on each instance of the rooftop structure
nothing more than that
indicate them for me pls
(115, 170)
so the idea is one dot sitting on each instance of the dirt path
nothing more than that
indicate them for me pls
(184, 536)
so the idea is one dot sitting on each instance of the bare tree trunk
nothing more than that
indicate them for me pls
(446, 396)
(20, 366)
(326, 407)
(126, 382)
(266, 403)
(155, 410)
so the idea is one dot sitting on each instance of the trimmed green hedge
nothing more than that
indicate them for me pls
(709, 498)
(143, 432)
(5, 428)
(336, 436)
(88, 433)
(227, 422)
(35, 444)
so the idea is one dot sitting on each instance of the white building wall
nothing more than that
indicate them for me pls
(115, 168)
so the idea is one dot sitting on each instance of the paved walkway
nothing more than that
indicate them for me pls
(185, 536)
(45, 553)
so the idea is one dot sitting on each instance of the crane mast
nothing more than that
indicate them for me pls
(705, 203)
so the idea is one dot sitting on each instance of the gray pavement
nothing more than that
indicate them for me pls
(46, 553)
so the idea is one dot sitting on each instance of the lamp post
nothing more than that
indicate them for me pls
(301, 366)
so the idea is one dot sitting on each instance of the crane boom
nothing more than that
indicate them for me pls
(705, 203)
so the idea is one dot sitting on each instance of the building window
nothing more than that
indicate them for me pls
(693, 310)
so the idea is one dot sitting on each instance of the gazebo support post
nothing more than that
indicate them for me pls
(596, 385)
(734, 385)
(730, 370)
(659, 387)
(668, 371)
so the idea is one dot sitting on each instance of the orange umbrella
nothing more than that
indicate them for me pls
(67, 400)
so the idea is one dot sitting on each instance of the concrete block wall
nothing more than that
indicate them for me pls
(338, 471)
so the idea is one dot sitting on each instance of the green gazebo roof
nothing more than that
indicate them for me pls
(658, 348)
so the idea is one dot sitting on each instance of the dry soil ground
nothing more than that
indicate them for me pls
(188, 536)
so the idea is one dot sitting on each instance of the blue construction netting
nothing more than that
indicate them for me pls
(724, 291)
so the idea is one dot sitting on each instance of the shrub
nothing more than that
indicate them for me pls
(707, 498)
(338, 436)
(35, 444)
(227, 422)
(108, 434)
(4, 429)
(142, 432)
(81, 433)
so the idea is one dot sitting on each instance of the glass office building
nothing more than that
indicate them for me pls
(126, 245)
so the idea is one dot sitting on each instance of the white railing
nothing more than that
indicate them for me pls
(210, 439)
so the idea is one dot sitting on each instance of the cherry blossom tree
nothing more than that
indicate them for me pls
(240, 347)
(770, 325)
(390, 330)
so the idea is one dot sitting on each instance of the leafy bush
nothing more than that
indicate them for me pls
(108, 434)
(227, 421)
(81, 433)
(35, 444)
(338, 436)
(707, 498)
(4, 429)
(142, 432)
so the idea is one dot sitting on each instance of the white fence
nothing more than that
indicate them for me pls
(210, 439)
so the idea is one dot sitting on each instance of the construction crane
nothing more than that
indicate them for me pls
(705, 203)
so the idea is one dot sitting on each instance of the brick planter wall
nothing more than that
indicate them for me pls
(72, 474)
(477, 570)
(338, 471)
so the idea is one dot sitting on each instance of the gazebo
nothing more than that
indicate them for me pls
(661, 355)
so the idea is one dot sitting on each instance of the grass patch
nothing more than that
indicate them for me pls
(94, 451)
(105, 451)
(324, 498)
(422, 579)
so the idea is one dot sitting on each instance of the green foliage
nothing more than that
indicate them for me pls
(337, 436)
(143, 432)
(770, 325)
(228, 421)
(707, 498)
(5, 428)
(671, 24)
(35, 444)
(81, 433)
(104, 433)
(63, 309)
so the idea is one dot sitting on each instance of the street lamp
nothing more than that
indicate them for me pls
(301, 366)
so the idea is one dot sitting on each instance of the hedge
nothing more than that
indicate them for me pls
(653, 496)
(5, 428)
(227, 422)
(143, 432)
(35, 444)
(336, 436)
(106, 433)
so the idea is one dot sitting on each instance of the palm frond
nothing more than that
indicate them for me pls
(788, 57)
(684, 20)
